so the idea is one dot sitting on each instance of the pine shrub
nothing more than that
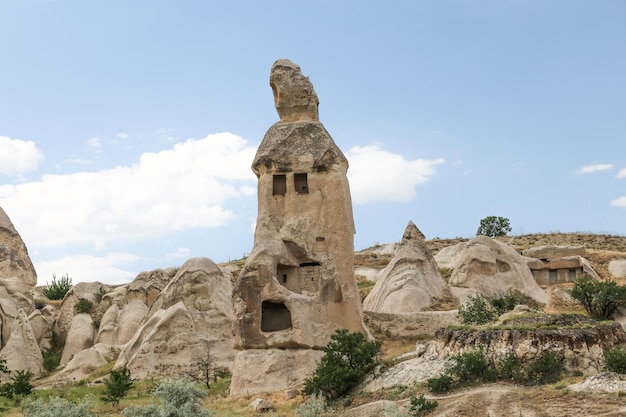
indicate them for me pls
(476, 311)
(56, 290)
(117, 385)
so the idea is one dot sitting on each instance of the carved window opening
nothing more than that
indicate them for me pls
(279, 184)
(301, 183)
(287, 276)
(275, 317)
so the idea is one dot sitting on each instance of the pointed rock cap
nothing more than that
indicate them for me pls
(5, 222)
(294, 96)
(411, 234)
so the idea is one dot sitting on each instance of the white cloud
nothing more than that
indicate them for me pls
(621, 174)
(181, 253)
(588, 169)
(122, 135)
(379, 175)
(18, 156)
(619, 202)
(87, 268)
(94, 143)
(185, 187)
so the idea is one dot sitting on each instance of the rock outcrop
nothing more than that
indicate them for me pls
(487, 266)
(410, 282)
(21, 351)
(578, 340)
(14, 259)
(298, 284)
(80, 336)
(190, 319)
(617, 268)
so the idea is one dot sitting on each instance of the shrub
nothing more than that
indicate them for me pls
(83, 306)
(546, 370)
(615, 360)
(178, 398)
(315, 406)
(347, 357)
(511, 299)
(51, 360)
(58, 407)
(509, 367)
(472, 366)
(420, 406)
(493, 226)
(440, 384)
(599, 298)
(57, 289)
(476, 311)
(117, 386)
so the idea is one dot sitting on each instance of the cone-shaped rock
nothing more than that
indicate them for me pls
(14, 259)
(411, 281)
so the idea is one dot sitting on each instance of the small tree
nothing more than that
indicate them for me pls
(476, 311)
(599, 298)
(347, 357)
(203, 370)
(57, 289)
(493, 226)
(117, 386)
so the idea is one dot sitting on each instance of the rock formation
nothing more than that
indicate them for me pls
(14, 259)
(489, 267)
(189, 319)
(298, 285)
(21, 351)
(410, 282)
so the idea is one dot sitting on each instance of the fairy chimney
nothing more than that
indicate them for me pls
(298, 285)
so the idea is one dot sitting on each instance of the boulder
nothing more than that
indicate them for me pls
(554, 252)
(258, 371)
(410, 282)
(491, 268)
(80, 336)
(261, 405)
(617, 268)
(602, 382)
(21, 351)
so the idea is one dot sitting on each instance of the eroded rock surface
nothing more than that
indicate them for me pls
(14, 259)
(489, 267)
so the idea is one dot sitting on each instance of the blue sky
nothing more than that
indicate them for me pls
(127, 128)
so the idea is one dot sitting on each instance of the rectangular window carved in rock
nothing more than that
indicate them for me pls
(275, 317)
(279, 185)
(300, 182)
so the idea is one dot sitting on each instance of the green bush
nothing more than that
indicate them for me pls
(57, 407)
(178, 398)
(493, 226)
(57, 289)
(599, 298)
(509, 367)
(117, 385)
(472, 366)
(420, 406)
(511, 299)
(51, 360)
(347, 358)
(440, 384)
(83, 306)
(476, 311)
(19, 387)
(615, 360)
(546, 370)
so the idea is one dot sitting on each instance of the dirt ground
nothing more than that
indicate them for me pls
(503, 400)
